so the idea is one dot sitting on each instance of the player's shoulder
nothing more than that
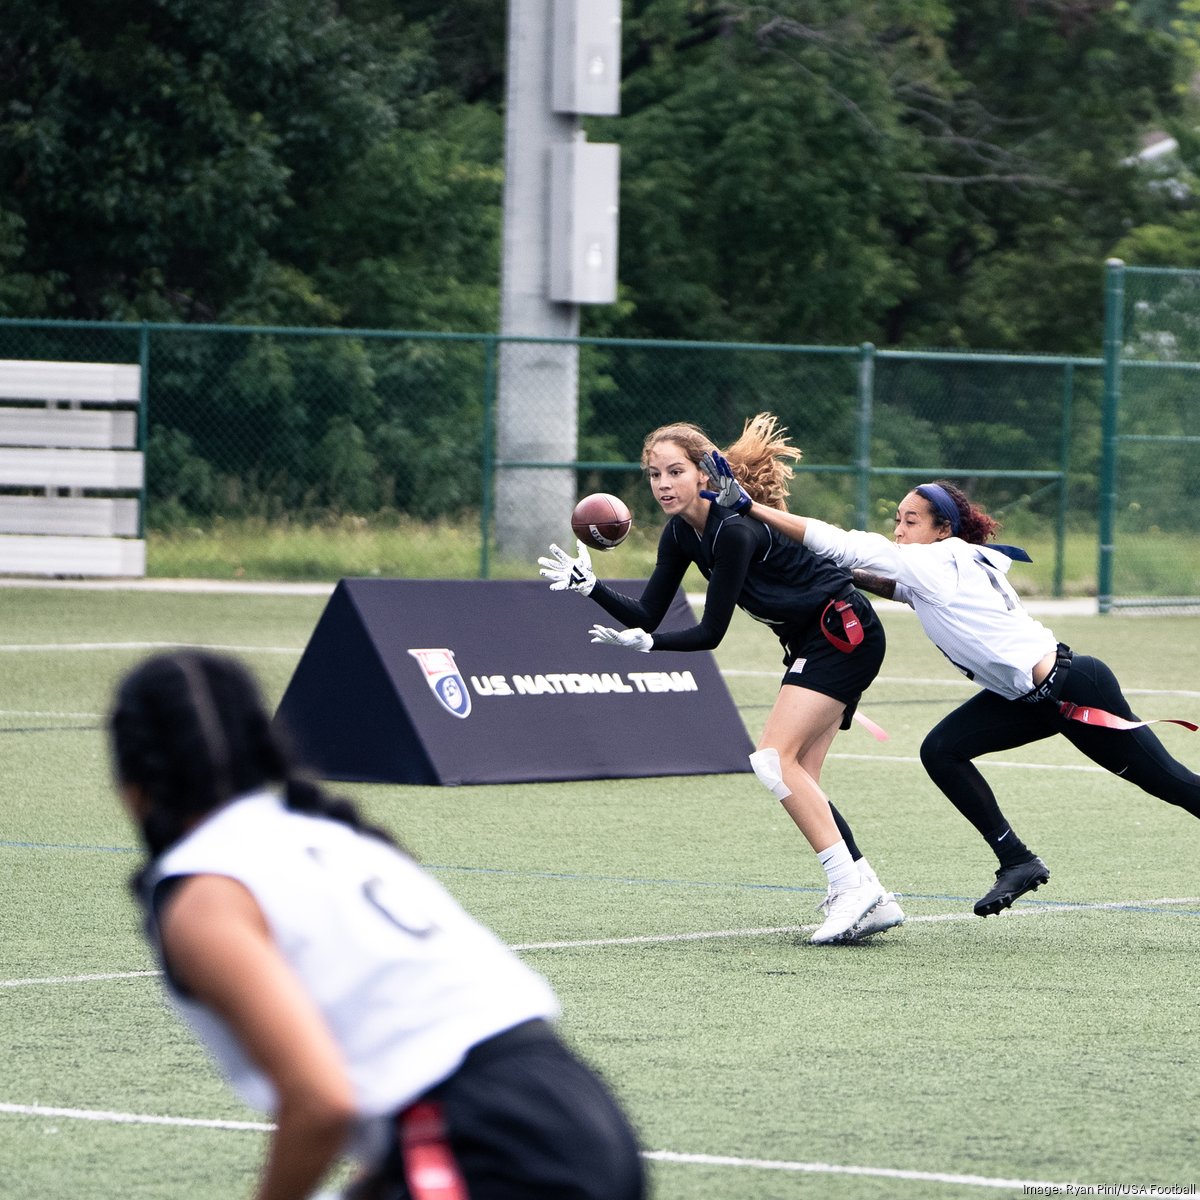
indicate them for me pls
(729, 529)
(673, 531)
(726, 521)
(947, 550)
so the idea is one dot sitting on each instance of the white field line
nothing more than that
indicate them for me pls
(730, 672)
(98, 977)
(664, 1156)
(120, 1118)
(812, 1168)
(52, 647)
(229, 586)
(22, 712)
(1040, 910)
(912, 759)
(929, 919)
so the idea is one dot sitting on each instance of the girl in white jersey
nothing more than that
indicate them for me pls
(337, 985)
(1034, 687)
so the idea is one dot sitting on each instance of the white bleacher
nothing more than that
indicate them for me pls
(68, 441)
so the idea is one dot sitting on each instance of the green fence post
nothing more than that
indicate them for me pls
(1114, 314)
(862, 458)
(487, 454)
(1064, 466)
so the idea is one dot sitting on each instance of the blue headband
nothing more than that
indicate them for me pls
(943, 506)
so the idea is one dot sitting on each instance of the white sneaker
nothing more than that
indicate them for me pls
(846, 908)
(887, 914)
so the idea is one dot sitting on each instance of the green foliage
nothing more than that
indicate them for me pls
(919, 175)
(201, 162)
(907, 173)
(1067, 93)
(759, 167)
(903, 173)
(303, 426)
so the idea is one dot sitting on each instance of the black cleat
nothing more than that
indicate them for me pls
(1012, 882)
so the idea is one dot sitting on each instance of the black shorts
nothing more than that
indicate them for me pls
(813, 662)
(524, 1118)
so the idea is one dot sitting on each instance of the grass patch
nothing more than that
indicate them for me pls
(1048, 1044)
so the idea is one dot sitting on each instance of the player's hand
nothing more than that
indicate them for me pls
(728, 493)
(565, 572)
(631, 639)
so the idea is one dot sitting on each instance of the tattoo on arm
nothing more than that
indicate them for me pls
(877, 584)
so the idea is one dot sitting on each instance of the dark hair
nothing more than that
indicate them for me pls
(190, 730)
(974, 525)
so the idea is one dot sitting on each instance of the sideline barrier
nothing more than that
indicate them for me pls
(495, 681)
(69, 430)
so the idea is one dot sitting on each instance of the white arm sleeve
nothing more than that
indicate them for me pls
(927, 571)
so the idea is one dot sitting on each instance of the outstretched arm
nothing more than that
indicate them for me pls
(217, 944)
(796, 527)
(575, 574)
(786, 523)
(876, 553)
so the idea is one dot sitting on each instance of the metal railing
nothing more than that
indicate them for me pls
(292, 424)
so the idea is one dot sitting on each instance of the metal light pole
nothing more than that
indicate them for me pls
(563, 59)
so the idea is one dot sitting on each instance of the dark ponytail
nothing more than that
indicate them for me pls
(304, 795)
(189, 730)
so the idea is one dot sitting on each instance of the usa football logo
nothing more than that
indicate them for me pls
(442, 675)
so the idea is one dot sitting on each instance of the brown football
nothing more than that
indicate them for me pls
(601, 521)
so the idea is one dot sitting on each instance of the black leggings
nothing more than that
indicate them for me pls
(987, 723)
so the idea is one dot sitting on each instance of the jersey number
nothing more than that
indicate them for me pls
(387, 900)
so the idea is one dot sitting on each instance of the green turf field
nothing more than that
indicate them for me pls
(954, 1057)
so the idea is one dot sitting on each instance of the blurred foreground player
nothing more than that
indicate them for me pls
(336, 984)
(941, 562)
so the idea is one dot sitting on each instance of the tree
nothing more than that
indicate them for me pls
(173, 160)
(900, 171)
(905, 173)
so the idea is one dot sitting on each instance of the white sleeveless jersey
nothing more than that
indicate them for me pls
(406, 980)
(961, 596)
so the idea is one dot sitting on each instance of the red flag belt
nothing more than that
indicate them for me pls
(1107, 720)
(430, 1168)
(841, 626)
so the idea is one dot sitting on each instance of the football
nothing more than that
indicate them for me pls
(601, 521)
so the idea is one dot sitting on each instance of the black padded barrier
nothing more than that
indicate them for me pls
(494, 681)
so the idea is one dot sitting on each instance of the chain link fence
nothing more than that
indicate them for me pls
(315, 439)
(1150, 554)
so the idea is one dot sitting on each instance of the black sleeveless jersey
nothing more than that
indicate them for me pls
(747, 565)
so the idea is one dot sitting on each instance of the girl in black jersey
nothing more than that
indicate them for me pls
(800, 596)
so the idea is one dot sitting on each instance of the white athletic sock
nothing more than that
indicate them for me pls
(868, 871)
(840, 867)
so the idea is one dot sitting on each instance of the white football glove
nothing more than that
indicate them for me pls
(631, 639)
(565, 572)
